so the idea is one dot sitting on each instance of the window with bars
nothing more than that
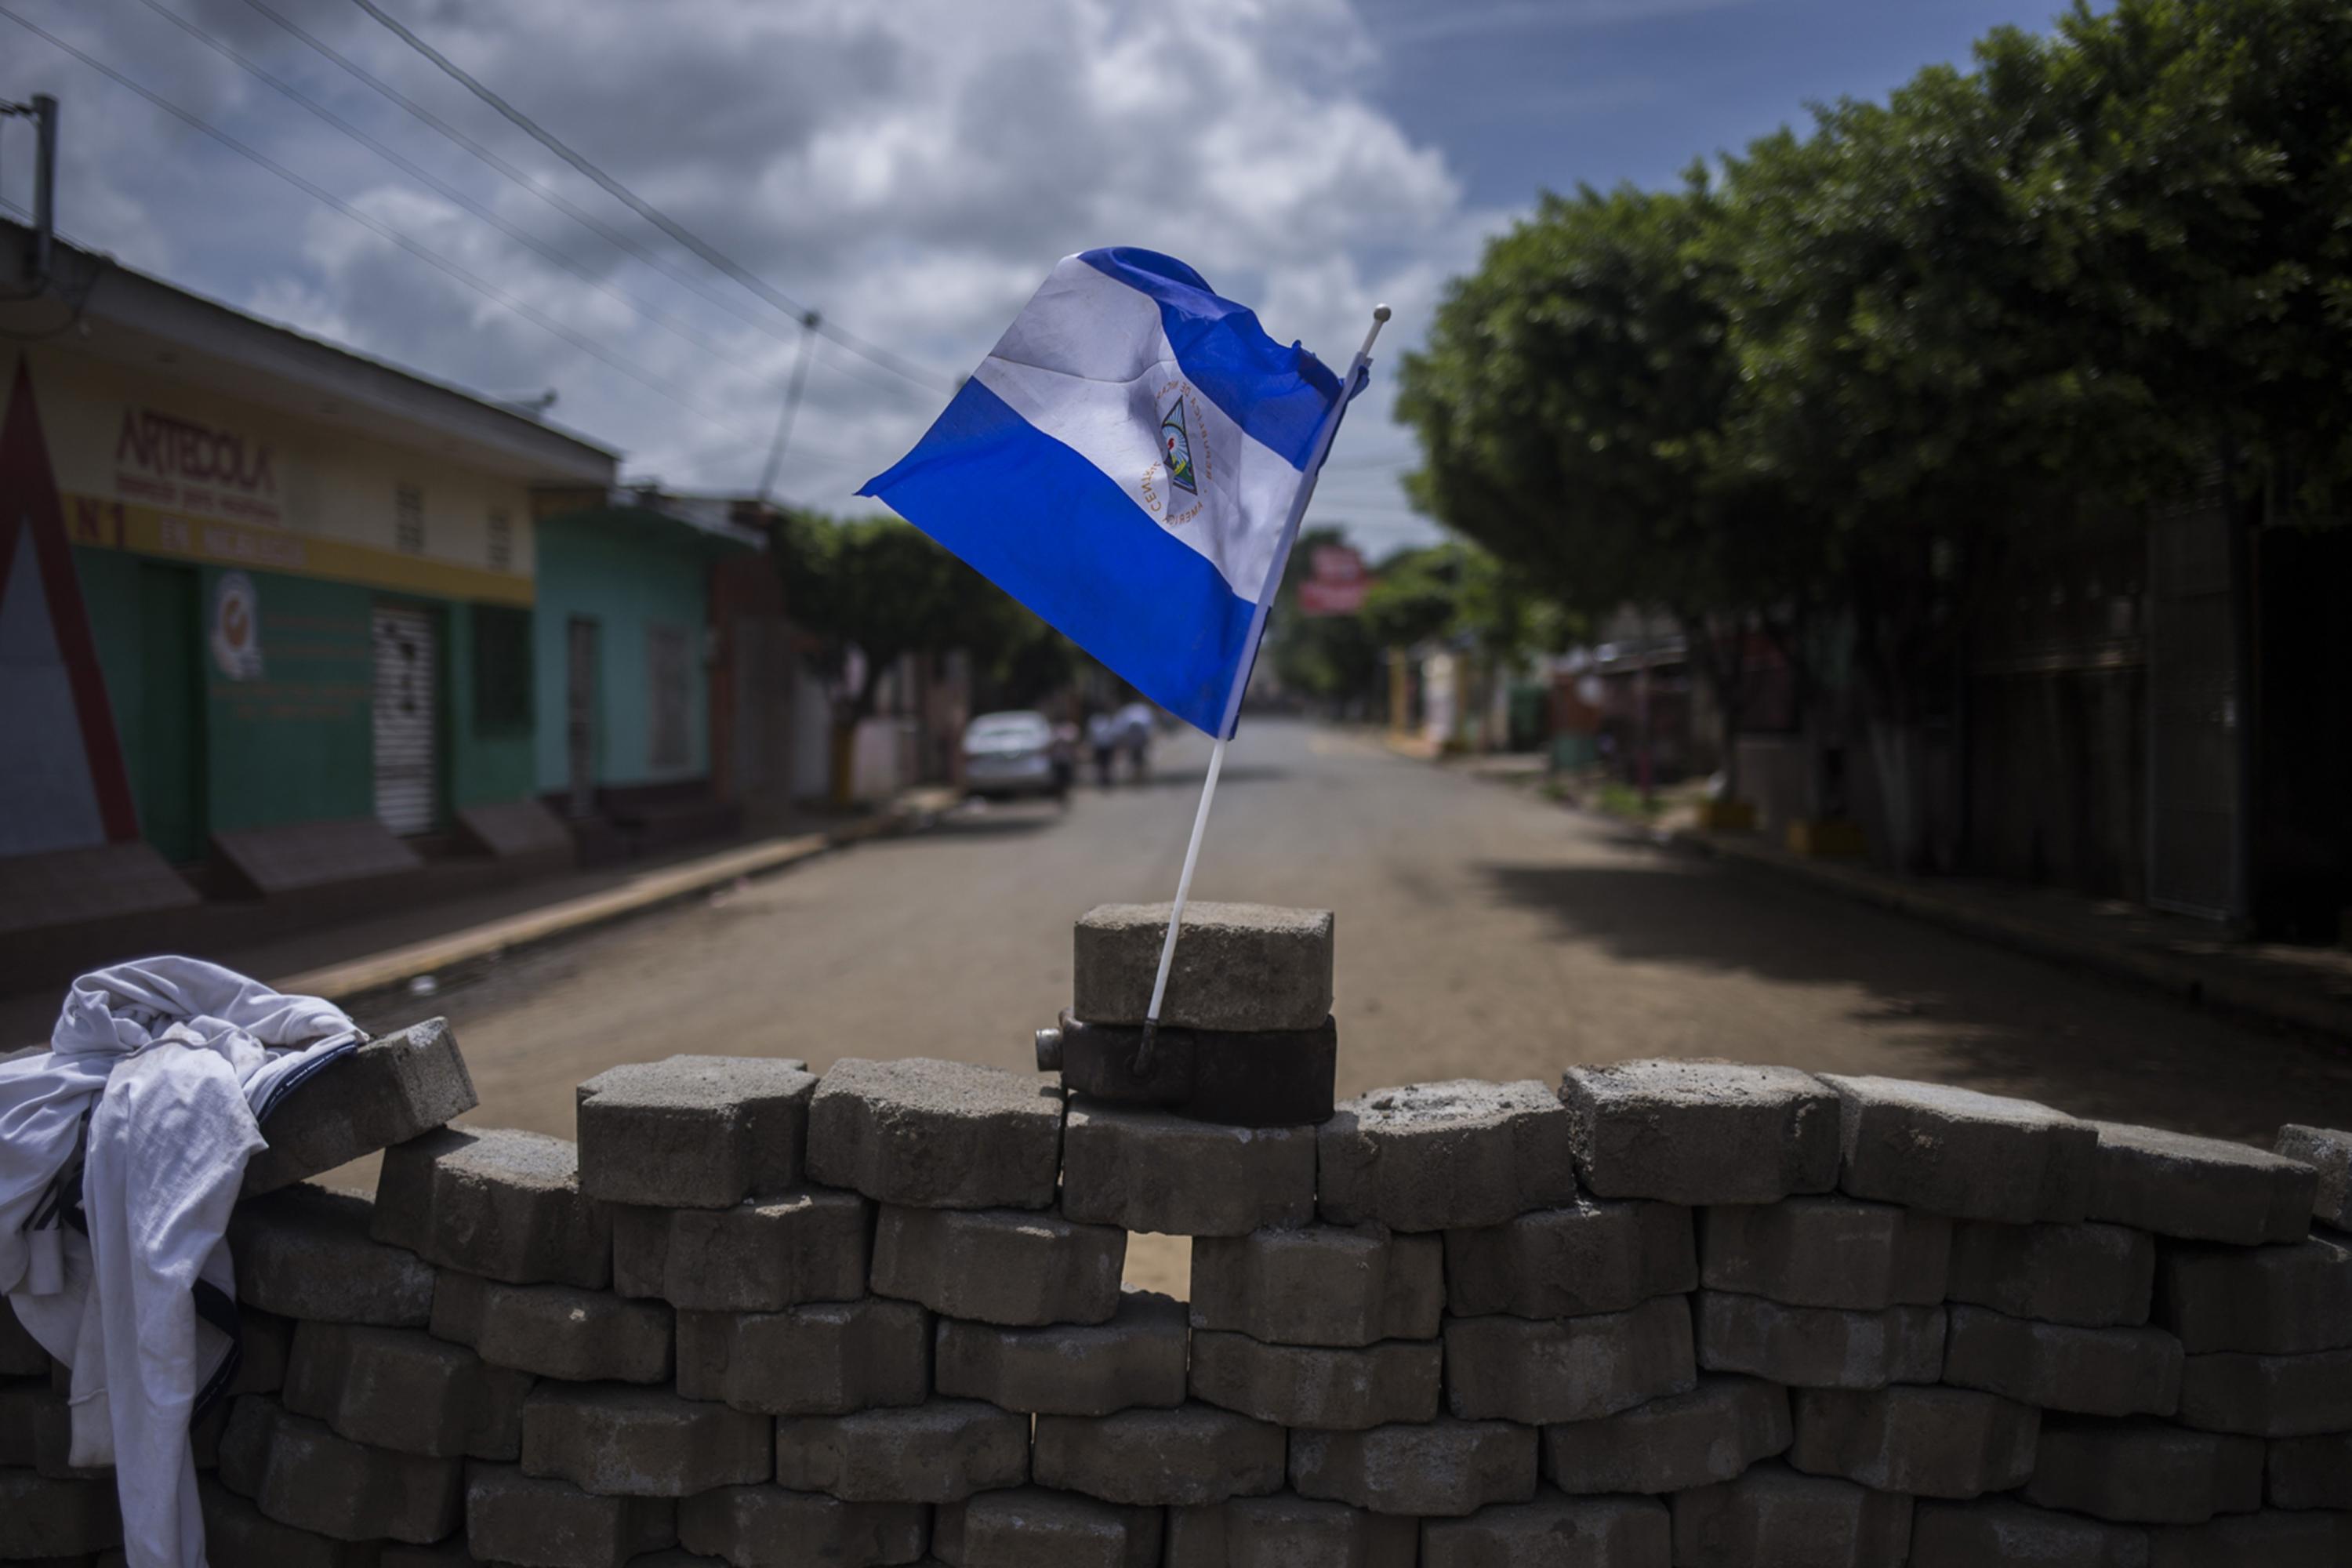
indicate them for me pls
(408, 519)
(502, 671)
(501, 546)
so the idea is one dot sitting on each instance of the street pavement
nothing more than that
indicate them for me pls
(1482, 930)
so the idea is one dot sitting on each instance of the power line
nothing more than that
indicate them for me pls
(531, 182)
(470, 280)
(650, 313)
(655, 216)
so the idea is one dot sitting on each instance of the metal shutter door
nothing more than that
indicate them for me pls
(405, 689)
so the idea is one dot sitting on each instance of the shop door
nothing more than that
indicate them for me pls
(406, 720)
(171, 685)
(579, 716)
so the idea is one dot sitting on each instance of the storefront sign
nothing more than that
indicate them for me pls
(237, 628)
(167, 461)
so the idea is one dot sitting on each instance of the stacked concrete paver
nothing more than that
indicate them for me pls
(1663, 1315)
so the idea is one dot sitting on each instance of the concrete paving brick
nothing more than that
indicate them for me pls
(554, 1330)
(1320, 1285)
(1031, 1527)
(761, 1255)
(1446, 1468)
(2264, 1300)
(1236, 967)
(306, 1252)
(2084, 1371)
(1568, 1369)
(452, 1553)
(2141, 1472)
(827, 1358)
(1818, 1347)
(1152, 1170)
(937, 1134)
(536, 1521)
(1444, 1156)
(1192, 1454)
(405, 1390)
(1930, 1442)
(1593, 1255)
(20, 1400)
(494, 1202)
(1553, 1532)
(243, 1452)
(391, 1089)
(21, 1354)
(2271, 1540)
(1995, 1530)
(2310, 1472)
(770, 1527)
(1317, 1386)
(265, 1340)
(1956, 1153)
(617, 1439)
(48, 1518)
(1710, 1434)
(1009, 1266)
(1826, 1252)
(52, 1441)
(239, 1535)
(1772, 1517)
(1287, 1530)
(693, 1131)
(2327, 1151)
(2093, 1276)
(1701, 1132)
(943, 1451)
(315, 1480)
(2268, 1395)
(1137, 1358)
(2204, 1189)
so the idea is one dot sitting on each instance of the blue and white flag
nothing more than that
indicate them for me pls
(1123, 462)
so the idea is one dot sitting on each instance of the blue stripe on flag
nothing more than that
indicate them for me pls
(1278, 395)
(1051, 530)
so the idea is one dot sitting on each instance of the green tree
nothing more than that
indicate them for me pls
(1571, 403)
(1333, 658)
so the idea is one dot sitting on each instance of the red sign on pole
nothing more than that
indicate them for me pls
(1336, 583)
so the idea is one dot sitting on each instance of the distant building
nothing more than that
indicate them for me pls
(278, 621)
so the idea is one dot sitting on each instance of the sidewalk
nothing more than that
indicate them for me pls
(346, 962)
(2307, 989)
(2302, 988)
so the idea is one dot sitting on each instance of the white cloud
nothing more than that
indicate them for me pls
(914, 169)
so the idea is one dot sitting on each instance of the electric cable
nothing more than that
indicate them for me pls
(866, 349)
(471, 280)
(650, 313)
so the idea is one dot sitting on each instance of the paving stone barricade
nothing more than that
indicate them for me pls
(1662, 1314)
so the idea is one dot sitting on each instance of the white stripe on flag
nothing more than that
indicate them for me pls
(1088, 363)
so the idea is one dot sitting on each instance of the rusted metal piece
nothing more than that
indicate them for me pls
(1280, 1077)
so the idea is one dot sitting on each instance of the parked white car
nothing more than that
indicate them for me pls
(1011, 754)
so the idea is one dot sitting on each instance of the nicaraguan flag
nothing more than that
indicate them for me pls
(1123, 462)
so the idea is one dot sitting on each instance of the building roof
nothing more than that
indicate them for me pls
(96, 306)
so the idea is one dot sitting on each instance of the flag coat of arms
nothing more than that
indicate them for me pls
(1124, 463)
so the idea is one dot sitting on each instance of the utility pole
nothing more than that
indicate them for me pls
(43, 112)
(791, 406)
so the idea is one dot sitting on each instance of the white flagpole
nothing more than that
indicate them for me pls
(1242, 674)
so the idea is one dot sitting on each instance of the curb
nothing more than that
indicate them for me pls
(359, 978)
(2175, 974)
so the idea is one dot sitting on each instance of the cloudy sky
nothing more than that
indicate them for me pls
(910, 167)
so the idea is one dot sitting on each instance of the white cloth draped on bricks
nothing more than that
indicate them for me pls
(122, 1150)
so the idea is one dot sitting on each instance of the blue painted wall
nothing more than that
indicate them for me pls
(628, 573)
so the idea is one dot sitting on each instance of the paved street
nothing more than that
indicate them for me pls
(1481, 931)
